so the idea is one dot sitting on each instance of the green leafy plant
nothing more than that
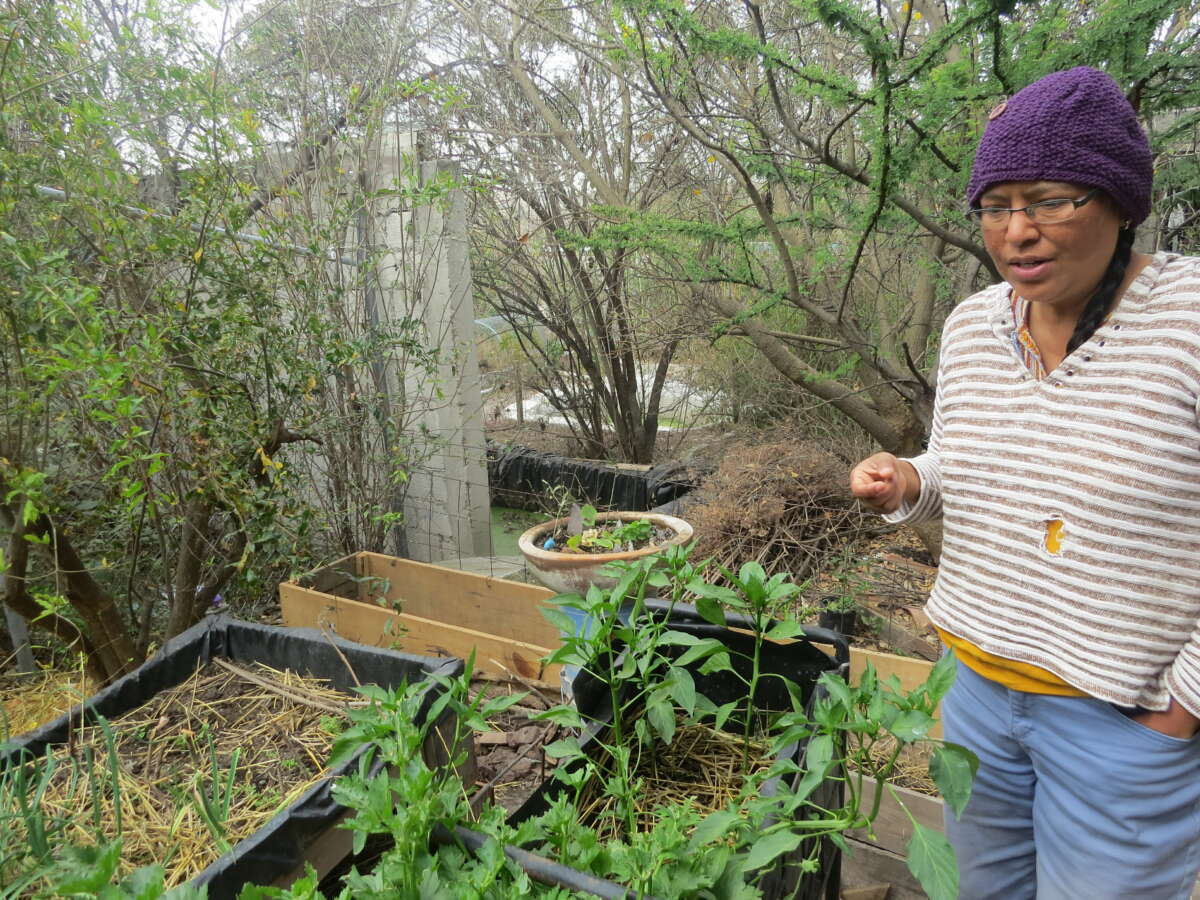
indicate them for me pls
(648, 670)
(600, 536)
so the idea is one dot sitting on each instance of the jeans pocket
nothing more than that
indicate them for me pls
(1124, 716)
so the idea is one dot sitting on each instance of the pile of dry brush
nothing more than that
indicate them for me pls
(784, 504)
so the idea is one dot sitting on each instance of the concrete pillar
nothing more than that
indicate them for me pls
(424, 273)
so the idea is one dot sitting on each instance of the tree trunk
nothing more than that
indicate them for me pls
(187, 567)
(110, 649)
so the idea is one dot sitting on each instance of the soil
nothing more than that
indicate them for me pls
(891, 577)
(510, 761)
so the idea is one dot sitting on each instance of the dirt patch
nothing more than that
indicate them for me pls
(510, 760)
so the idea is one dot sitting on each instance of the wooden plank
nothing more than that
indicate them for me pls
(507, 609)
(304, 608)
(892, 827)
(867, 865)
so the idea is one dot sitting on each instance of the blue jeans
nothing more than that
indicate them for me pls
(1073, 800)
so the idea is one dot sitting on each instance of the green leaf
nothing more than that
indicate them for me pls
(953, 769)
(701, 650)
(724, 711)
(931, 860)
(752, 572)
(145, 883)
(564, 749)
(839, 692)
(661, 715)
(718, 662)
(941, 677)
(500, 704)
(683, 689)
(767, 849)
(786, 630)
(912, 725)
(721, 594)
(819, 753)
(715, 825)
(710, 610)
(678, 639)
(869, 682)
(560, 620)
(567, 716)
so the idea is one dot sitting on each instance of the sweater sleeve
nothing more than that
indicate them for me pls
(1183, 675)
(928, 504)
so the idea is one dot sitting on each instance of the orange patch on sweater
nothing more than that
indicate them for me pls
(1054, 536)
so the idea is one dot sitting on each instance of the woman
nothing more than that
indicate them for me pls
(1064, 458)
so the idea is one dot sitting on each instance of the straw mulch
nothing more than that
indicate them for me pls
(785, 505)
(29, 701)
(275, 722)
(911, 767)
(701, 766)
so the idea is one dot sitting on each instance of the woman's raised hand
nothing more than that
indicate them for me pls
(881, 482)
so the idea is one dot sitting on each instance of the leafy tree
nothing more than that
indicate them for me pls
(848, 130)
(561, 144)
(175, 398)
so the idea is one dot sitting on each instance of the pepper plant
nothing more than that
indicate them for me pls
(647, 669)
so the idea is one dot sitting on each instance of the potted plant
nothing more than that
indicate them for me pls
(567, 553)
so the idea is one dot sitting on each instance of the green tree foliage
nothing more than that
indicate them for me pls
(184, 412)
(843, 134)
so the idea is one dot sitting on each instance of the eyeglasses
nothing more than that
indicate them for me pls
(1046, 212)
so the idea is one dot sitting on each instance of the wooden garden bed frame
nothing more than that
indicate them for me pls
(429, 610)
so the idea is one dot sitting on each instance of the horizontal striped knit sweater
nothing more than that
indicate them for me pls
(1108, 445)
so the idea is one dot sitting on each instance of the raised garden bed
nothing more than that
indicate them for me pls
(705, 766)
(219, 664)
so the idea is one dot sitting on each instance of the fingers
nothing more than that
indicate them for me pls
(877, 483)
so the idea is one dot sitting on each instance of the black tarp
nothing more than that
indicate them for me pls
(519, 477)
(278, 848)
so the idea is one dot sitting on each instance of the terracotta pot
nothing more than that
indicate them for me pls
(573, 572)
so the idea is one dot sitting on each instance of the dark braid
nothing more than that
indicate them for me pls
(1097, 307)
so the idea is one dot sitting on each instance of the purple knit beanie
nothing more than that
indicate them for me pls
(1069, 126)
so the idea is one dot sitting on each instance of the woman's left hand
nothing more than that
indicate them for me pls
(1174, 721)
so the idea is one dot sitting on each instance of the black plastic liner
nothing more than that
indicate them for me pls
(800, 662)
(518, 476)
(278, 848)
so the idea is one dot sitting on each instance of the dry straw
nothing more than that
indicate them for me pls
(29, 701)
(269, 727)
(701, 767)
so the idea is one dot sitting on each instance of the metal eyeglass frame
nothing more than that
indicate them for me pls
(976, 215)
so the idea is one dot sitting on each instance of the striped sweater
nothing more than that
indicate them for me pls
(1103, 454)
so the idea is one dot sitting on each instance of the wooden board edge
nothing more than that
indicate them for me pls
(368, 624)
(892, 827)
(533, 591)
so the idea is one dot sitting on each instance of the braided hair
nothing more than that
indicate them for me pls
(1100, 301)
